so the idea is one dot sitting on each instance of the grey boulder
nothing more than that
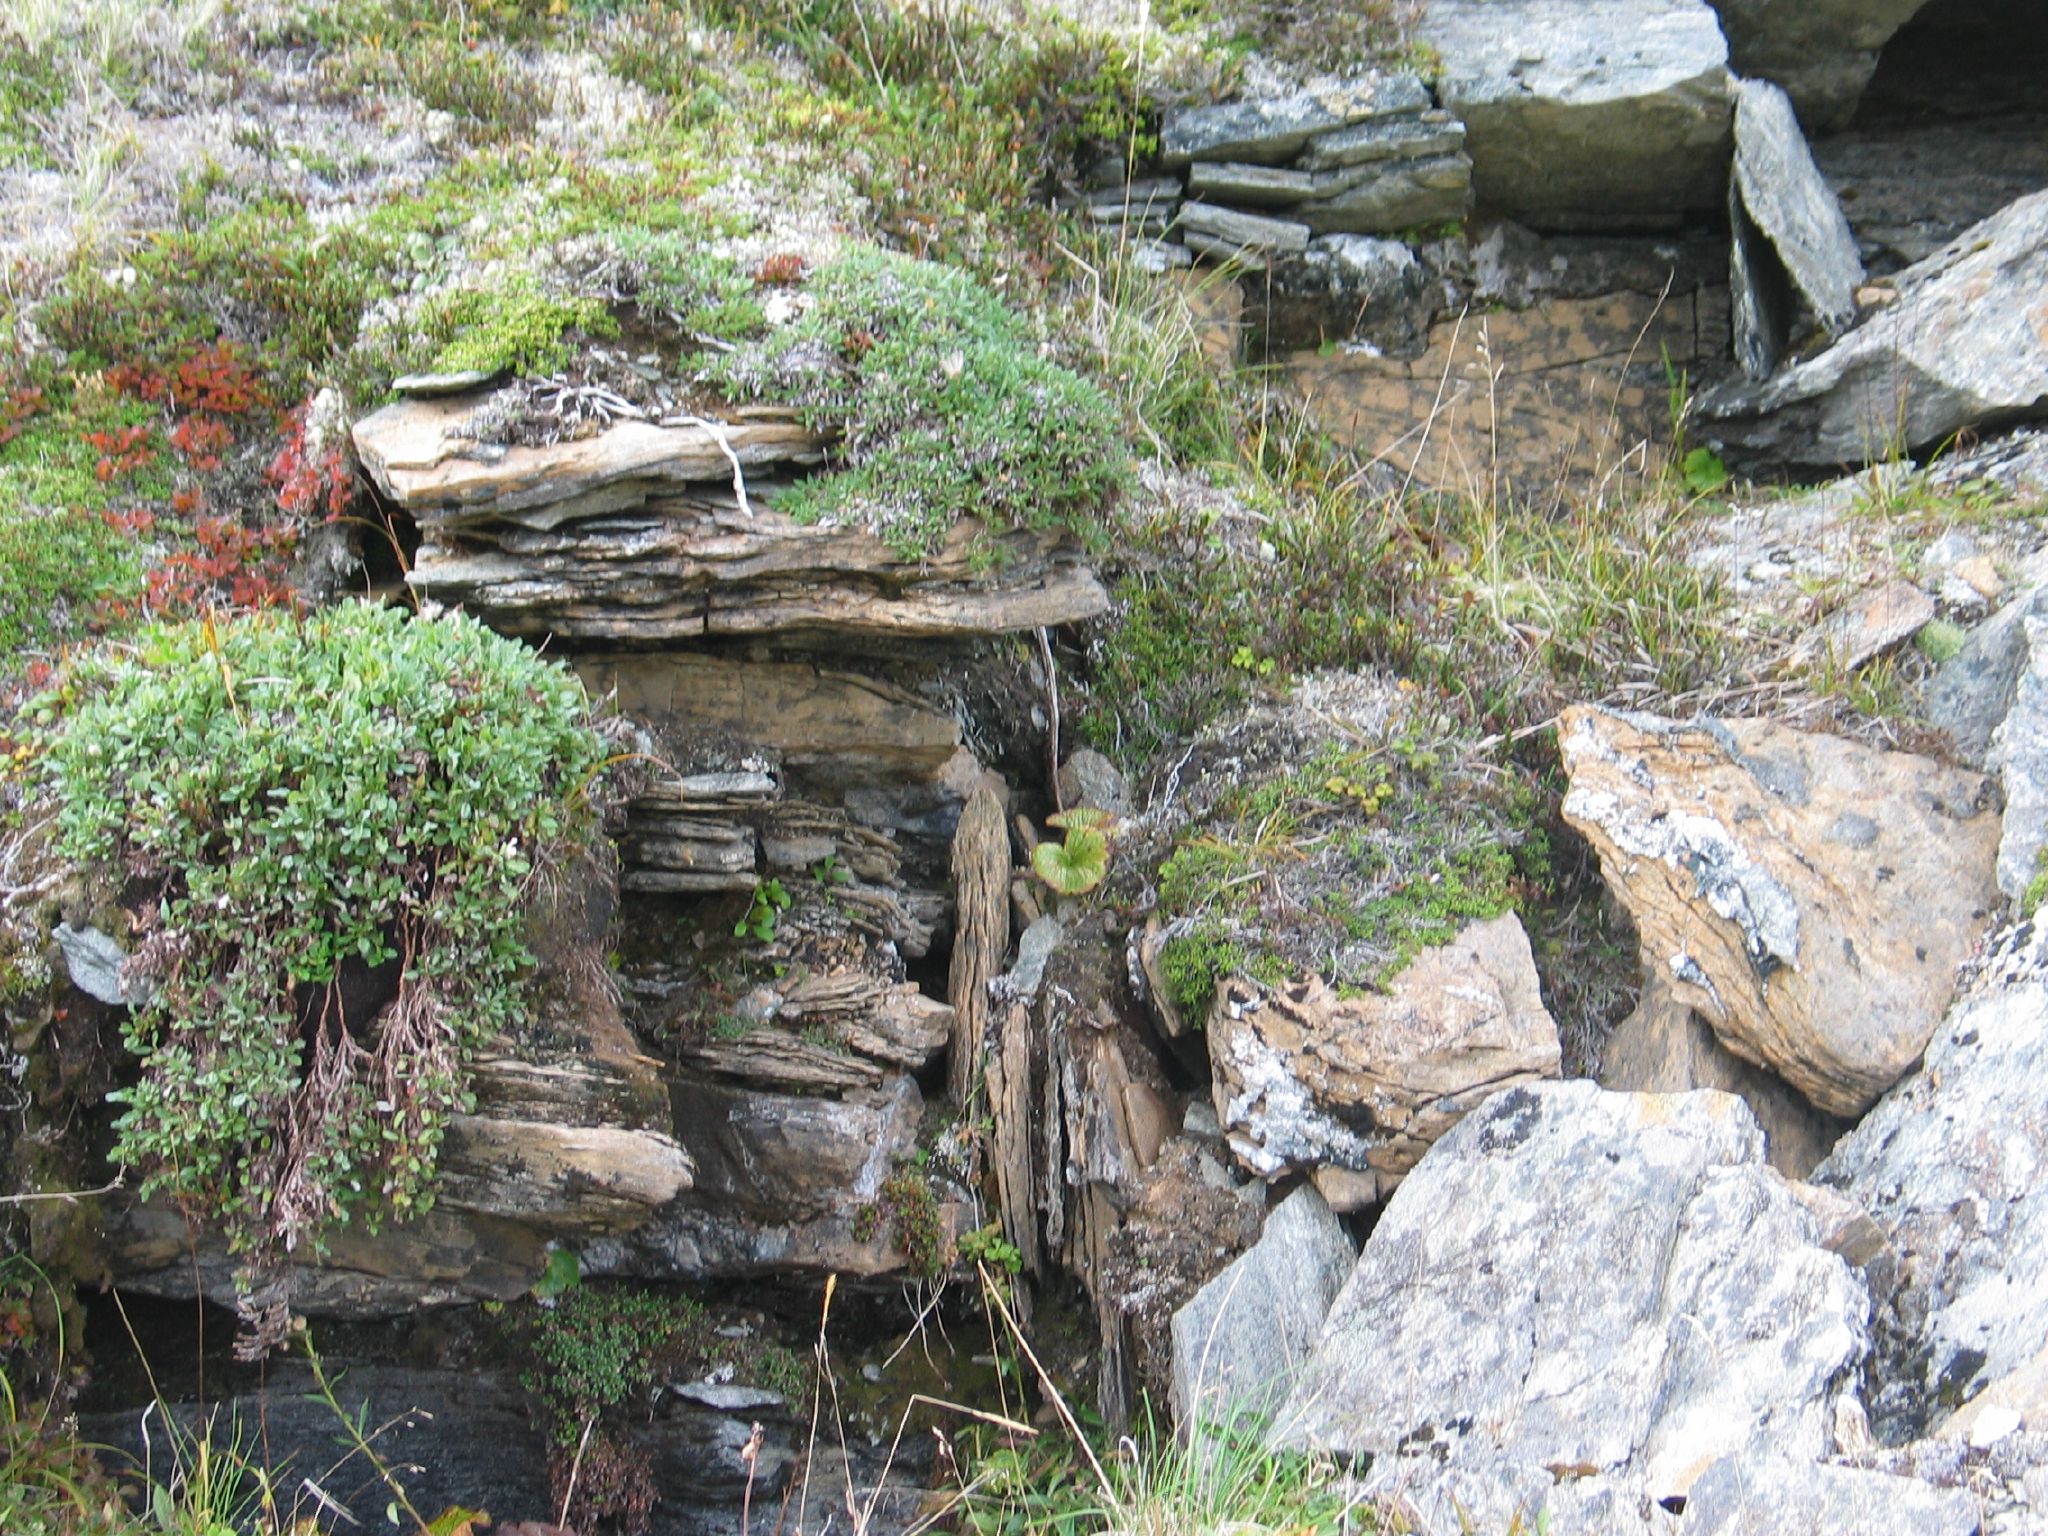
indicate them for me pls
(1821, 51)
(1239, 1342)
(1965, 344)
(1952, 1164)
(1764, 1494)
(1605, 1283)
(1972, 693)
(1587, 112)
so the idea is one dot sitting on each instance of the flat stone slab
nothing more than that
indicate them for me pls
(1965, 343)
(1271, 130)
(1242, 231)
(1581, 111)
(1784, 194)
(1257, 185)
(1392, 138)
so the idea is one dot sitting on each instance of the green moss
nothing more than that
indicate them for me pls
(1345, 862)
(908, 1210)
(2037, 888)
(61, 560)
(945, 407)
(516, 326)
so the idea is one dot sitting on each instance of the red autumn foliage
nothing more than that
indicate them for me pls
(310, 483)
(16, 407)
(233, 566)
(780, 270)
(122, 452)
(201, 439)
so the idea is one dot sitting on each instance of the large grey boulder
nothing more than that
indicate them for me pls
(1587, 112)
(1952, 1164)
(1808, 896)
(1768, 1494)
(1821, 51)
(2019, 753)
(1781, 192)
(1592, 1283)
(1239, 1342)
(1964, 345)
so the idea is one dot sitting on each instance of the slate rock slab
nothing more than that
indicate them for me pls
(1809, 896)
(1239, 1342)
(1583, 112)
(1783, 193)
(1270, 129)
(1964, 345)
(1603, 1282)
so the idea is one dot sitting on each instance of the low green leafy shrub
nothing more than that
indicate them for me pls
(328, 829)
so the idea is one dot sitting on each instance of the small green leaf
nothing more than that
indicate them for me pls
(563, 1274)
(1704, 472)
(1086, 817)
(1075, 867)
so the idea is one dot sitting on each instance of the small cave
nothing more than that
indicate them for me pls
(1962, 59)
(1952, 127)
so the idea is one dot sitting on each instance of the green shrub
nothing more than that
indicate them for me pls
(307, 812)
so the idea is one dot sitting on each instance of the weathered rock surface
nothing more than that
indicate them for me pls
(1808, 896)
(2019, 754)
(1345, 285)
(1215, 230)
(1952, 1164)
(1305, 1078)
(1868, 625)
(1382, 196)
(1821, 51)
(1587, 112)
(570, 1140)
(1564, 392)
(1271, 129)
(1579, 1280)
(639, 534)
(1664, 1047)
(1762, 1494)
(1239, 1342)
(1974, 690)
(1783, 194)
(1965, 345)
(781, 1179)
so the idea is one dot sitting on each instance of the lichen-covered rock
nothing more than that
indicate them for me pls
(1238, 1343)
(1952, 1164)
(1306, 1078)
(1808, 896)
(1348, 285)
(1591, 1283)
(1964, 345)
(1766, 1494)
(1583, 112)
(1974, 690)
